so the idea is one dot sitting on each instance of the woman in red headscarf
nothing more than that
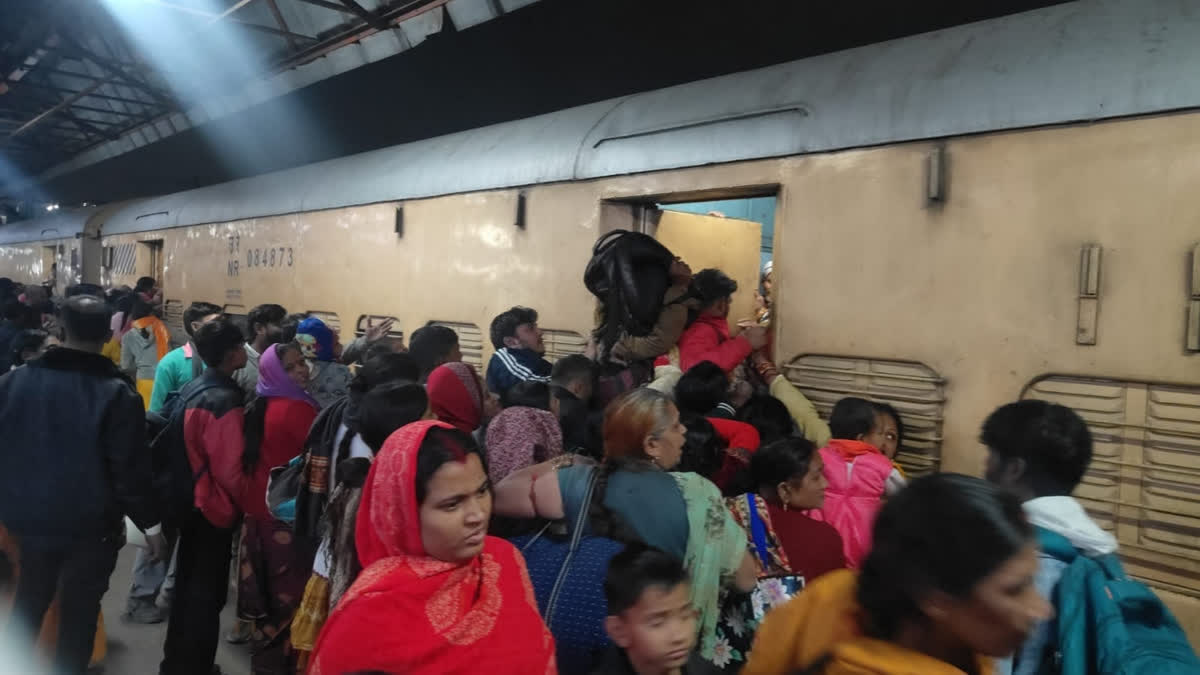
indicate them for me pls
(458, 398)
(436, 594)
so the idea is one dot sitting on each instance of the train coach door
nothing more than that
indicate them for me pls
(729, 244)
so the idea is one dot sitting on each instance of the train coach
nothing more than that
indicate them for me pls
(958, 219)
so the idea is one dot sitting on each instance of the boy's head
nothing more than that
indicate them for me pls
(221, 345)
(1036, 449)
(857, 419)
(650, 613)
(703, 387)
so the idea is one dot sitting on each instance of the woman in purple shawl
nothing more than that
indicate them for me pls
(274, 565)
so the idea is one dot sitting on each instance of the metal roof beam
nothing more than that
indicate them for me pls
(91, 90)
(274, 7)
(116, 71)
(337, 7)
(372, 20)
(40, 117)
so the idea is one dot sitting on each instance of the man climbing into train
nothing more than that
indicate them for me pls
(519, 351)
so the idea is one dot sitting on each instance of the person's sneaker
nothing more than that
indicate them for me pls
(241, 632)
(143, 611)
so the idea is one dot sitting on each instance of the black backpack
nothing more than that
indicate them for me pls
(174, 482)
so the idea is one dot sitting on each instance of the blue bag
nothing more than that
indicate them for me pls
(1108, 623)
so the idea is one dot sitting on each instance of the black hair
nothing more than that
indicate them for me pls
(376, 372)
(702, 447)
(85, 289)
(377, 348)
(852, 417)
(141, 308)
(572, 368)
(386, 408)
(28, 340)
(711, 286)
(14, 310)
(265, 314)
(1053, 440)
(890, 410)
(637, 568)
(144, 284)
(86, 318)
(197, 311)
(442, 445)
(527, 394)
(215, 339)
(430, 345)
(780, 461)
(945, 532)
(703, 387)
(505, 324)
(769, 416)
(381, 370)
(289, 326)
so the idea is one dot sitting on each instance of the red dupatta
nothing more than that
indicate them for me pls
(410, 613)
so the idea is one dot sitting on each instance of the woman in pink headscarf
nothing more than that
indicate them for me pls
(436, 596)
(521, 437)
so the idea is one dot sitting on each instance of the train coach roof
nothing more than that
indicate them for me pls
(55, 225)
(1067, 63)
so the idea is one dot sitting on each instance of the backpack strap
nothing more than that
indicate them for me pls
(1055, 545)
(576, 536)
(194, 357)
(758, 531)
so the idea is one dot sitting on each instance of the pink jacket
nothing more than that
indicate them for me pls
(857, 473)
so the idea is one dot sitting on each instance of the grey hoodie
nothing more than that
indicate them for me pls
(139, 354)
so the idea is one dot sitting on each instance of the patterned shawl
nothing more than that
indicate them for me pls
(715, 549)
(521, 437)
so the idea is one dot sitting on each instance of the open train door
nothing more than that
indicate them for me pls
(728, 244)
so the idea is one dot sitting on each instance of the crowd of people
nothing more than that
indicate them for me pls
(667, 502)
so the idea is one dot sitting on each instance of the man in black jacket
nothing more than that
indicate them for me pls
(74, 461)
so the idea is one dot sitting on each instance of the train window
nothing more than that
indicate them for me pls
(122, 259)
(560, 343)
(470, 340)
(330, 319)
(366, 321)
(914, 389)
(1145, 464)
(173, 314)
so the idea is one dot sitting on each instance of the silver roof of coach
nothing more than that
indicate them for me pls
(56, 225)
(1079, 61)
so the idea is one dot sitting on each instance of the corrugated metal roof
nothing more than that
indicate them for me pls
(1082, 61)
(140, 72)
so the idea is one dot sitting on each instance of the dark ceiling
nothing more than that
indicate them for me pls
(551, 55)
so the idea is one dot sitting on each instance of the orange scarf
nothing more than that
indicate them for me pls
(851, 449)
(162, 339)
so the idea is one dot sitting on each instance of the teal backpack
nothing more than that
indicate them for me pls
(1108, 623)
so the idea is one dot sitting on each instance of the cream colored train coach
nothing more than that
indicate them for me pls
(1000, 210)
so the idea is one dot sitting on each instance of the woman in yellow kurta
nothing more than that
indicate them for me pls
(143, 347)
(947, 587)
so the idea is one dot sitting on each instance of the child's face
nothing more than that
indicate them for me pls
(877, 437)
(891, 435)
(659, 632)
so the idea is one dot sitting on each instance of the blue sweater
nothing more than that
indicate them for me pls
(510, 366)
